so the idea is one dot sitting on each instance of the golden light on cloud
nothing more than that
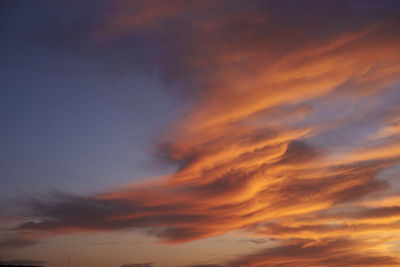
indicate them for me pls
(281, 142)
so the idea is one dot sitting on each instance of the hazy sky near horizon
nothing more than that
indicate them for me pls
(200, 133)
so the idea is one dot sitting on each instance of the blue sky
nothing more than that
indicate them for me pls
(69, 121)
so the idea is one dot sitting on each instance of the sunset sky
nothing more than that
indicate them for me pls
(200, 133)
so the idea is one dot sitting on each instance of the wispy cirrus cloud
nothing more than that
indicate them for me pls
(275, 141)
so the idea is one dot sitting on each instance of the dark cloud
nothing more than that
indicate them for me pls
(298, 152)
(90, 213)
(22, 262)
(108, 34)
(137, 265)
(381, 212)
(68, 210)
(18, 242)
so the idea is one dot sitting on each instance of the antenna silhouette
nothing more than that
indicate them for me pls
(68, 261)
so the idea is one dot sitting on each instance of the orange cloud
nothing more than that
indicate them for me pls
(277, 144)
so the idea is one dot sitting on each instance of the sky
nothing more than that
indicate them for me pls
(200, 133)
